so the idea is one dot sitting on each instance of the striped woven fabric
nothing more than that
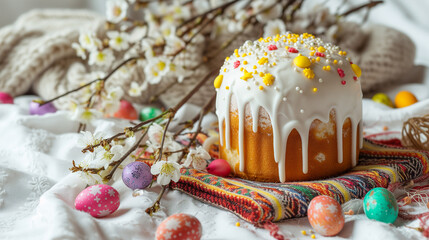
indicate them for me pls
(380, 163)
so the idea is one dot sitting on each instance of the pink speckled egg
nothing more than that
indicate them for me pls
(326, 215)
(179, 226)
(6, 98)
(126, 111)
(219, 167)
(98, 200)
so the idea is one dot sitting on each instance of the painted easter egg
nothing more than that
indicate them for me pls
(179, 226)
(219, 167)
(325, 215)
(136, 175)
(6, 98)
(98, 200)
(380, 204)
(36, 109)
(404, 99)
(383, 99)
(126, 111)
(149, 113)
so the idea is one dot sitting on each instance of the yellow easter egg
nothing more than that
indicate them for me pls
(218, 81)
(404, 99)
(383, 99)
(302, 61)
(357, 70)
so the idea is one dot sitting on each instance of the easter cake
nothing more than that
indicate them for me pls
(289, 109)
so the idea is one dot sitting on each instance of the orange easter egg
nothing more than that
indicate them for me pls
(404, 99)
(325, 215)
(179, 226)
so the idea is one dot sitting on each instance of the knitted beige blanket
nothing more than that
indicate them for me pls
(36, 54)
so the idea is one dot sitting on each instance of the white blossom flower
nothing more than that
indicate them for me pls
(89, 41)
(155, 134)
(264, 14)
(137, 89)
(85, 115)
(138, 33)
(220, 27)
(274, 27)
(104, 157)
(167, 171)
(101, 58)
(177, 71)
(179, 11)
(116, 10)
(198, 158)
(167, 29)
(174, 44)
(112, 100)
(157, 68)
(118, 40)
(88, 138)
(80, 51)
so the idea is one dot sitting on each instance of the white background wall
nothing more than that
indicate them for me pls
(11, 9)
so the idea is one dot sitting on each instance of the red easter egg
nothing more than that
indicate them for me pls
(179, 226)
(6, 98)
(126, 111)
(326, 215)
(219, 167)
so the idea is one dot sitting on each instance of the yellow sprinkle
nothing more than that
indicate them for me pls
(218, 81)
(255, 72)
(287, 47)
(243, 55)
(255, 67)
(260, 39)
(246, 75)
(327, 68)
(356, 70)
(262, 61)
(261, 74)
(335, 61)
(344, 53)
(318, 59)
(302, 42)
(284, 40)
(276, 39)
(308, 73)
(241, 69)
(302, 61)
(313, 236)
(311, 48)
(224, 70)
(227, 58)
(236, 51)
(315, 89)
(312, 53)
(268, 79)
(249, 54)
(321, 49)
(237, 224)
(227, 87)
(313, 60)
(265, 53)
(245, 62)
(261, 88)
(274, 63)
(340, 53)
(303, 232)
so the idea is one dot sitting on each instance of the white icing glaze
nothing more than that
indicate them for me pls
(291, 101)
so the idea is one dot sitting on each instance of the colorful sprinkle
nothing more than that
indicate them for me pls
(262, 61)
(341, 72)
(303, 232)
(302, 61)
(227, 87)
(357, 70)
(327, 68)
(218, 81)
(246, 75)
(354, 78)
(236, 64)
(237, 224)
(268, 79)
(272, 47)
(319, 54)
(315, 89)
(261, 74)
(292, 50)
(261, 88)
(244, 62)
(335, 61)
(321, 49)
(343, 82)
(308, 73)
(243, 55)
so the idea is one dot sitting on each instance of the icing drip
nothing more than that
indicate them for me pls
(273, 74)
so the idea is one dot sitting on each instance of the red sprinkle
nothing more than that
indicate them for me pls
(292, 50)
(236, 64)
(355, 78)
(319, 54)
(343, 82)
(341, 72)
(351, 62)
(272, 47)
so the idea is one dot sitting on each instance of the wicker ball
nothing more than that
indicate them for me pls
(415, 133)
